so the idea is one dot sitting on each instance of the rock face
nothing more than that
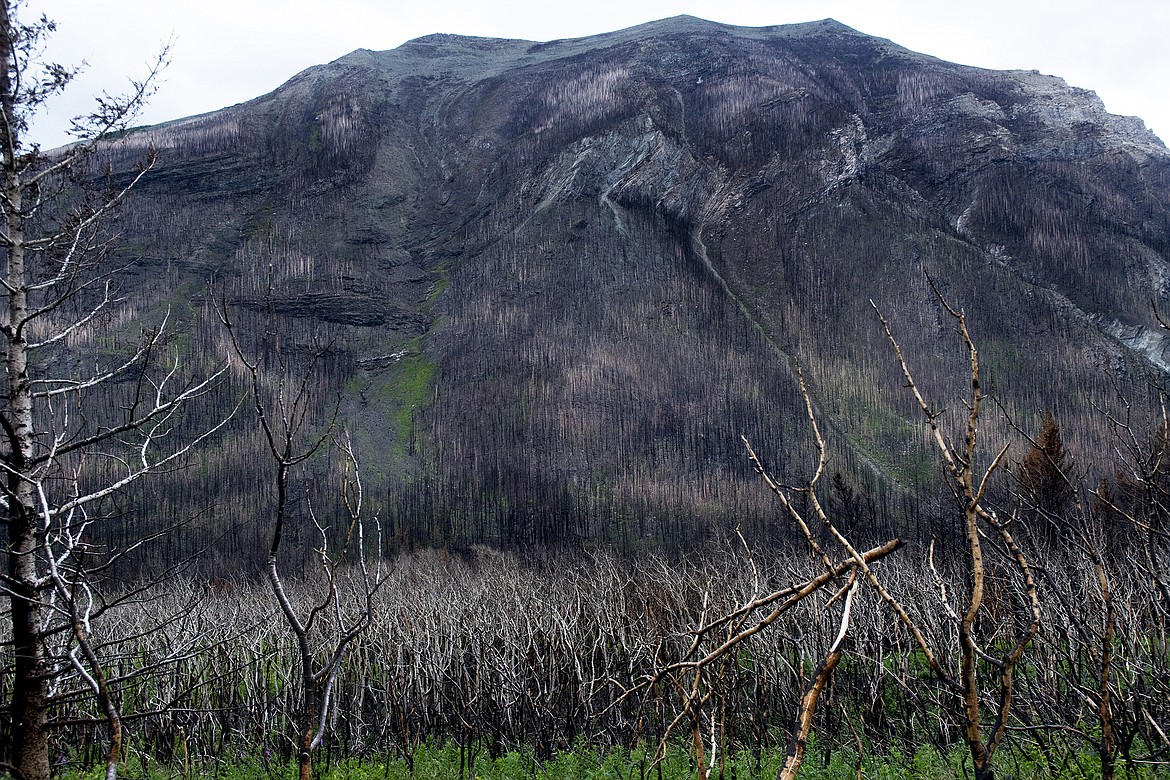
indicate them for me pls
(559, 280)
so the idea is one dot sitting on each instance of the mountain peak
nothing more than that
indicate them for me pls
(540, 262)
(686, 23)
(467, 41)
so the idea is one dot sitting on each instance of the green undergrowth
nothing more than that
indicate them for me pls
(447, 761)
(410, 387)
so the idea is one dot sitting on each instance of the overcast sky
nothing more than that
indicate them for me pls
(228, 51)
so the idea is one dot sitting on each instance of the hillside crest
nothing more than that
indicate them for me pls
(560, 279)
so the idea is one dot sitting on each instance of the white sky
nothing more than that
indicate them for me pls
(228, 51)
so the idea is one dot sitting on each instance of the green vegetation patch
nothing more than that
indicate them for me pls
(411, 386)
(441, 761)
(440, 286)
(392, 395)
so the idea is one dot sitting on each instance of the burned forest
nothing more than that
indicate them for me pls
(725, 399)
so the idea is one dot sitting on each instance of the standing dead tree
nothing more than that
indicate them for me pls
(1082, 582)
(978, 679)
(715, 643)
(1120, 541)
(986, 648)
(325, 629)
(75, 433)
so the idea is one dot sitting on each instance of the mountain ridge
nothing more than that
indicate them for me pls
(560, 279)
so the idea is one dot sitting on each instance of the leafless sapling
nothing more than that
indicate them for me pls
(324, 629)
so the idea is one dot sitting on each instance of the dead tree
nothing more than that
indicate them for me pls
(325, 629)
(1082, 580)
(1120, 538)
(978, 660)
(63, 455)
(714, 644)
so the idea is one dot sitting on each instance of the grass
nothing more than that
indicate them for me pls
(410, 386)
(444, 761)
(394, 394)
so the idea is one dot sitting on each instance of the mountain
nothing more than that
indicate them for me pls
(558, 281)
